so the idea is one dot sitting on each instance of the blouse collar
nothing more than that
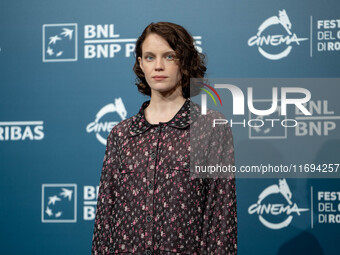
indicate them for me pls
(182, 119)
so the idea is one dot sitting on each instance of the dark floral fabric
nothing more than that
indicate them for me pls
(148, 202)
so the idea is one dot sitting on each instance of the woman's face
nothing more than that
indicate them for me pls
(158, 62)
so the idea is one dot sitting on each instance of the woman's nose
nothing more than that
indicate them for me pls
(159, 64)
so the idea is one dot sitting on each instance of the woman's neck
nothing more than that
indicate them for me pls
(163, 109)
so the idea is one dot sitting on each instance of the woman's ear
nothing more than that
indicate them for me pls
(140, 63)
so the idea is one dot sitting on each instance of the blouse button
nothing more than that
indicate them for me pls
(149, 218)
(150, 186)
(153, 155)
(148, 252)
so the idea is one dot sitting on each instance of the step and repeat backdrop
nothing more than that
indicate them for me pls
(66, 79)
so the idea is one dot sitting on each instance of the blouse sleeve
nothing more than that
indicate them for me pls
(101, 236)
(220, 214)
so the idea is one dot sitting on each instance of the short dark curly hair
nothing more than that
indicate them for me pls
(190, 61)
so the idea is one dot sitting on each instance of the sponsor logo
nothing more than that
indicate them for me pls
(59, 203)
(21, 130)
(267, 44)
(90, 202)
(103, 124)
(321, 122)
(102, 41)
(60, 42)
(275, 211)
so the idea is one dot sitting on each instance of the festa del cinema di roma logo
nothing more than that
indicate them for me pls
(277, 40)
(102, 124)
(278, 209)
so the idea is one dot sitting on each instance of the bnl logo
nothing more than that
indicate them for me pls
(60, 42)
(59, 203)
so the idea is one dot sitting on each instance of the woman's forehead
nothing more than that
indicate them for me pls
(156, 43)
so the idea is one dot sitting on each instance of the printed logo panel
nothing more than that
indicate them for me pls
(103, 124)
(60, 42)
(274, 38)
(21, 130)
(59, 203)
(275, 207)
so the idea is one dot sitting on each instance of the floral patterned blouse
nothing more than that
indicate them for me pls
(148, 203)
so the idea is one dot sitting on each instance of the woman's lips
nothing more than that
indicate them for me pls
(159, 77)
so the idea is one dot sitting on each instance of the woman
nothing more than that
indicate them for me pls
(148, 202)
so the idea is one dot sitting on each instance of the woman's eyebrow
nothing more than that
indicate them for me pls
(164, 53)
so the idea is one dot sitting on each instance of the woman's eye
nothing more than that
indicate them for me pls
(149, 58)
(170, 57)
